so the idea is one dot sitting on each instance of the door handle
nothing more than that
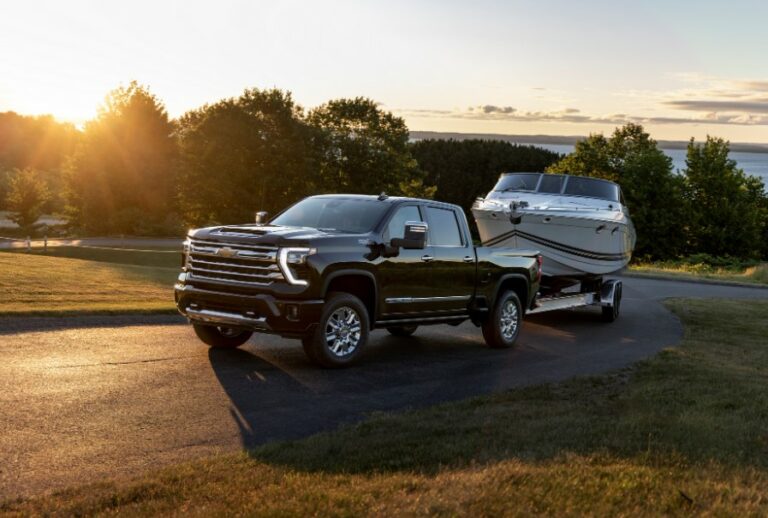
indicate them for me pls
(426, 258)
(469, 259)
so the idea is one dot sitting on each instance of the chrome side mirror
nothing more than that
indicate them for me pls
(414, 236)
(261, 217)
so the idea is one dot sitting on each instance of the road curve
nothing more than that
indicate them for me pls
(82, 399)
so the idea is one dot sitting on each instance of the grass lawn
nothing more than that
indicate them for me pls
(162, 257)
(683, 433)
(43, 285)
(674, 270)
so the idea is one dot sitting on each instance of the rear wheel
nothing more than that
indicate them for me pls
(342, 333)
(502, 326)
(222, 337)
(402, 330)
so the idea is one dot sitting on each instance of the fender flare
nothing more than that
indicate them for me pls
(350, 272)
(516, 276)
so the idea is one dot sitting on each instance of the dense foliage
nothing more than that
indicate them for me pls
(362, 149)
(727, 208)
(121, 176)
(712, 207)
(241, 155)
(40, 143)
(132, 170)
(653, 192)
(462, 170)
(26, 198)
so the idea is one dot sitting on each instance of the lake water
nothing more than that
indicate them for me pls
(755, 164)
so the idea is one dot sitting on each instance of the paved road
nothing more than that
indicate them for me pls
(82, 399)
(95, 242)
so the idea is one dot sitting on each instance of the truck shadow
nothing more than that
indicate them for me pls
(277, 394)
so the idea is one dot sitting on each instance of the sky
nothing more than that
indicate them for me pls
(556, 67)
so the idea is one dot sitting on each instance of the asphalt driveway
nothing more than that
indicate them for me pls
(82, 399)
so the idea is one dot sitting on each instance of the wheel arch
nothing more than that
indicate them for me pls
(361, 284)
(515, 282)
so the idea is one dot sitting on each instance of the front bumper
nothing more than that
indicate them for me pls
(260, 312)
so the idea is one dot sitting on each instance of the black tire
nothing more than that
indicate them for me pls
(611, 313)
(348, 343)
(496, 335)
(402, 330)
(222, 337)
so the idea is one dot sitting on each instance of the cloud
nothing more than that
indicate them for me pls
(489, 108)
(752, 106)
(576, 116)
(701, 100)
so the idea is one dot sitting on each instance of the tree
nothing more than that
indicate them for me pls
(726, 205)
(121, 177)
(27, 195)
(653, 193)
(461, 170)
(35, 142)
(363, 149)
(244, 154)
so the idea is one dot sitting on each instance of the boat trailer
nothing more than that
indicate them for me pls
(606, 294)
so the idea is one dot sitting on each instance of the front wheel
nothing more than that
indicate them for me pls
(342, 333)
(222, 337)
(502, 326)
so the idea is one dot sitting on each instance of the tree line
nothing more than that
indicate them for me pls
(133, 170)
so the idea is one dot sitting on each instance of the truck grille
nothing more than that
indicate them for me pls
(250, 265)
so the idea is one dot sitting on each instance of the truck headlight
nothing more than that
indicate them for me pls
(289, 258)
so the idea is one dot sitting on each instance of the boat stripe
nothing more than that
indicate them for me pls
(557, 246)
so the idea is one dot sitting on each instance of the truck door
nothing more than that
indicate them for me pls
(405, 281)
(454, 259)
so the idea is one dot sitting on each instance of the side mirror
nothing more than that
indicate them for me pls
(414, 237)
(261, 217)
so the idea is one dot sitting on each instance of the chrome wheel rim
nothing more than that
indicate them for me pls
(342, 331)
(509, 320)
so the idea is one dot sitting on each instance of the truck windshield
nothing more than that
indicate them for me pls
(339, 214)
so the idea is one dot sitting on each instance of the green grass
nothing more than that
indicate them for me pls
(162, 257)
(33, 284)
(683, 433)
(750, 275)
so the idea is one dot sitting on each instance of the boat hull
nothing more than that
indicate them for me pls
(572, 244)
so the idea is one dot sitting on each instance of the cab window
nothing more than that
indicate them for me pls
(443, 227)
(396, 226)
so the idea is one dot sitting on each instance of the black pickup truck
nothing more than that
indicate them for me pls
(331, 268)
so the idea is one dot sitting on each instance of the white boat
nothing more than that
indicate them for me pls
(580, 225)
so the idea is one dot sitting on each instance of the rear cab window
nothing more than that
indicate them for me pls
(444, 229)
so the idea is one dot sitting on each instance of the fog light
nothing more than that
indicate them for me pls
(292, 312)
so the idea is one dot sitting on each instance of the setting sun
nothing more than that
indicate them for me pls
(489, 67)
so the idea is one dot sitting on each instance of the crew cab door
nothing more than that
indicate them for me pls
(454, 261)
(405, 281)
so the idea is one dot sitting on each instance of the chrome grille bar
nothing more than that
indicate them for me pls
(225, 262)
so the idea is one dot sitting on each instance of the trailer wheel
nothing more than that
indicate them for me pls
(222, 337)
(502, 326)
(611, 313)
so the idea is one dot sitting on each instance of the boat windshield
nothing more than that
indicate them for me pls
(558, 184)
(517, 182)
(591, 187)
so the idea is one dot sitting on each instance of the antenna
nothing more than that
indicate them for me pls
(383, 196)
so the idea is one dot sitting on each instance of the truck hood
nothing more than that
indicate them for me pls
(272, 235)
